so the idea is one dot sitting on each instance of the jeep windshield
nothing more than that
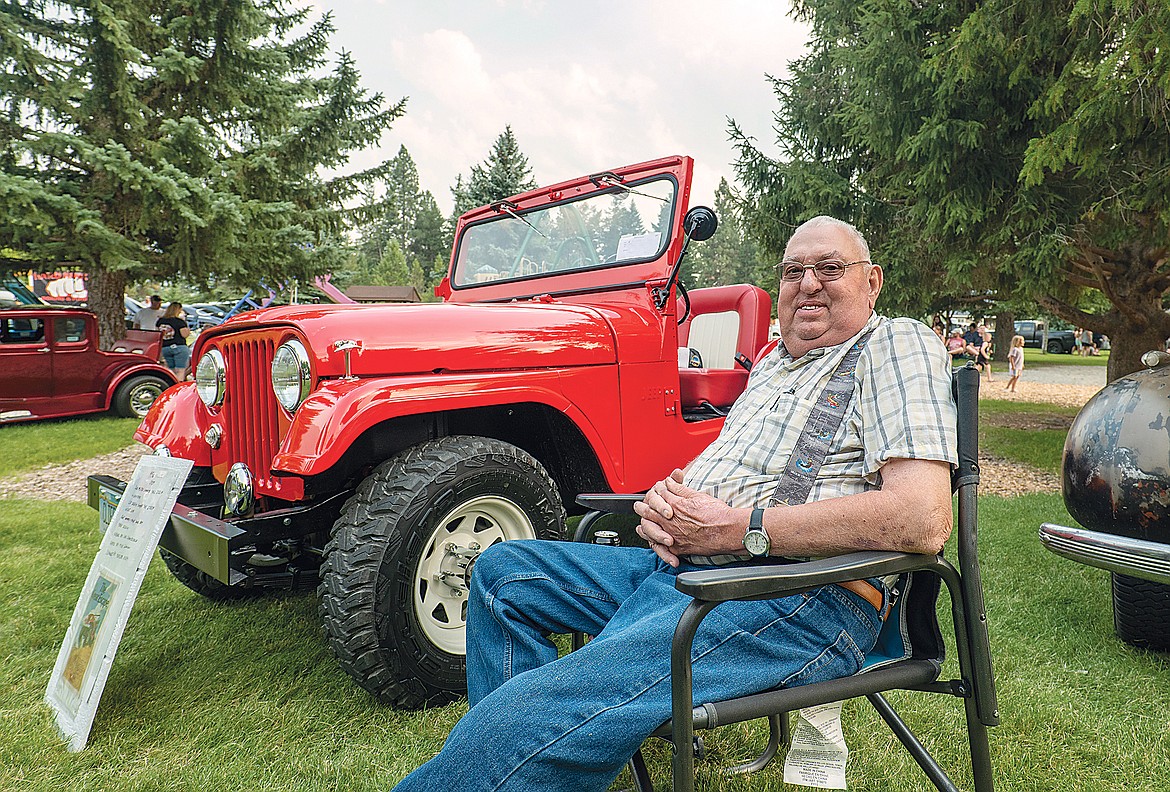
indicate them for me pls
(626, 224)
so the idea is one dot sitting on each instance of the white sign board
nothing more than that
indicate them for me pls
(87, 653)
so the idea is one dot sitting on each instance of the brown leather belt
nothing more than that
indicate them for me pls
(868, 592)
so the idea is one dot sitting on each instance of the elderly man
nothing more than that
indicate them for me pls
(539, 722)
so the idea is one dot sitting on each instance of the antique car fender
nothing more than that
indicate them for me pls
(133, 370)
(339, 411)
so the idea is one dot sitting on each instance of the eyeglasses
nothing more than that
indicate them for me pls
(826, 269)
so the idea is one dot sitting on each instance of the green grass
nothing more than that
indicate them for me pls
(208, 696)
(29, 446)
(1041, 359)
(1029, 433)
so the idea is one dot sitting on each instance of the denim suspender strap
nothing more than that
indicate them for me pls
(813, 445)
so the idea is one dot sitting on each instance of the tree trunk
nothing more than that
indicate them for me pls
(1005, 328)
(107, 291)
(1127, 344)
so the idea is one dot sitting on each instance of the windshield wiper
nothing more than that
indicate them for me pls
(613, 180)
(509, 208)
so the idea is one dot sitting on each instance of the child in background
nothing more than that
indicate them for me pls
(1015, 362)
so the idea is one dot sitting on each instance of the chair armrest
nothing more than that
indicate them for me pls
(777, 580)
(609, 503)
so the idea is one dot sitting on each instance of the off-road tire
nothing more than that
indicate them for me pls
(1141, 612)
(376, 573)
(1055, 347)
(134, 396)
(200, 582)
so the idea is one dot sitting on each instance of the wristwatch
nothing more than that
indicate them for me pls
(756, 541)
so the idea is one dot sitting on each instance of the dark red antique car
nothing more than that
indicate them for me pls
(376, 450)
(52, 366)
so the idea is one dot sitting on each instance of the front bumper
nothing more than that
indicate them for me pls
(217, 547)
(1134, 557)
(203, 541)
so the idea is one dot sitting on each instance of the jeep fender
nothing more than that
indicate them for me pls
(340, 411)
(175, 416)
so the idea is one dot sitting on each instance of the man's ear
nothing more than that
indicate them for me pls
(875, 277)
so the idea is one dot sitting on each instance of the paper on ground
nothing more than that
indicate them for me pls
(818, 753)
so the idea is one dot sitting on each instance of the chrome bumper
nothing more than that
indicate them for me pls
(1135, 557)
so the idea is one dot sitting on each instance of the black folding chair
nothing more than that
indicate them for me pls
(892, 666)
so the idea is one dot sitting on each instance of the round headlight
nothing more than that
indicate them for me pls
(210, 376)
(291, 377)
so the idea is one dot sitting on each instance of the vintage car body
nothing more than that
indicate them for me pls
(425, 432)
(53, 366)
(1116, 483)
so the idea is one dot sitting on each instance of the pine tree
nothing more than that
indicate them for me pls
(729, 256)
(429, 241)
(504, 173)
(1005, 149)
(140, 139)
(392, 269)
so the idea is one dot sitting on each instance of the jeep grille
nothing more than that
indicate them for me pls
(250, 411)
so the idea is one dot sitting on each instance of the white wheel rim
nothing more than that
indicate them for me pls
(440, 598)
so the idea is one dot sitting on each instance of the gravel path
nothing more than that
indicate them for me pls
(1069, 386)
(67, 481)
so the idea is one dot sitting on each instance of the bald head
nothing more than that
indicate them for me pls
(826, 221)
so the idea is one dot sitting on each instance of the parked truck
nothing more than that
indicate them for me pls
(373, 451)
(1038, 336)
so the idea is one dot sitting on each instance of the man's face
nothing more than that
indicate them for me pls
(156, 304)
(813, 314)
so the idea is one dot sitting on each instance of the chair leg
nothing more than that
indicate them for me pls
(640, 774)
(980, 751)
(917, 750)
(777, 725)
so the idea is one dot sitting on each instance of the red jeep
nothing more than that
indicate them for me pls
(376, 450)
(53, 367)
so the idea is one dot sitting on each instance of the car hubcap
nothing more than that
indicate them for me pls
(142, 397)
(444, 572)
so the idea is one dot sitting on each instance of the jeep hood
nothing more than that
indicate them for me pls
(440, 337)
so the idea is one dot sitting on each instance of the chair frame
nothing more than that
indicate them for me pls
(708, 588)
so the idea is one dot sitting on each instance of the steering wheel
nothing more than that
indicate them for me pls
(566, 247)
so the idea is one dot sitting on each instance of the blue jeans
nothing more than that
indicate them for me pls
(176, 356)
(537, 722)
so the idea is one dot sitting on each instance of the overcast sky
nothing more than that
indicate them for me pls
(586, 85)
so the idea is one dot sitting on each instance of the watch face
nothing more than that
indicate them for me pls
(756, 543)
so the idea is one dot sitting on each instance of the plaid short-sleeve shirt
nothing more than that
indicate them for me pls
(901, 409)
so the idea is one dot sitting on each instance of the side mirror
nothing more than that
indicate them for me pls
(700, 224)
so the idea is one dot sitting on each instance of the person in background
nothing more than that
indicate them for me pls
(986, 350)
(1087, 342)
(176, 354)
(976, 349)
(956, 346)
(1015, 362)
(149, 314)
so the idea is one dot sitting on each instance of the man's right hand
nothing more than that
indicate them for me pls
(678, 520)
